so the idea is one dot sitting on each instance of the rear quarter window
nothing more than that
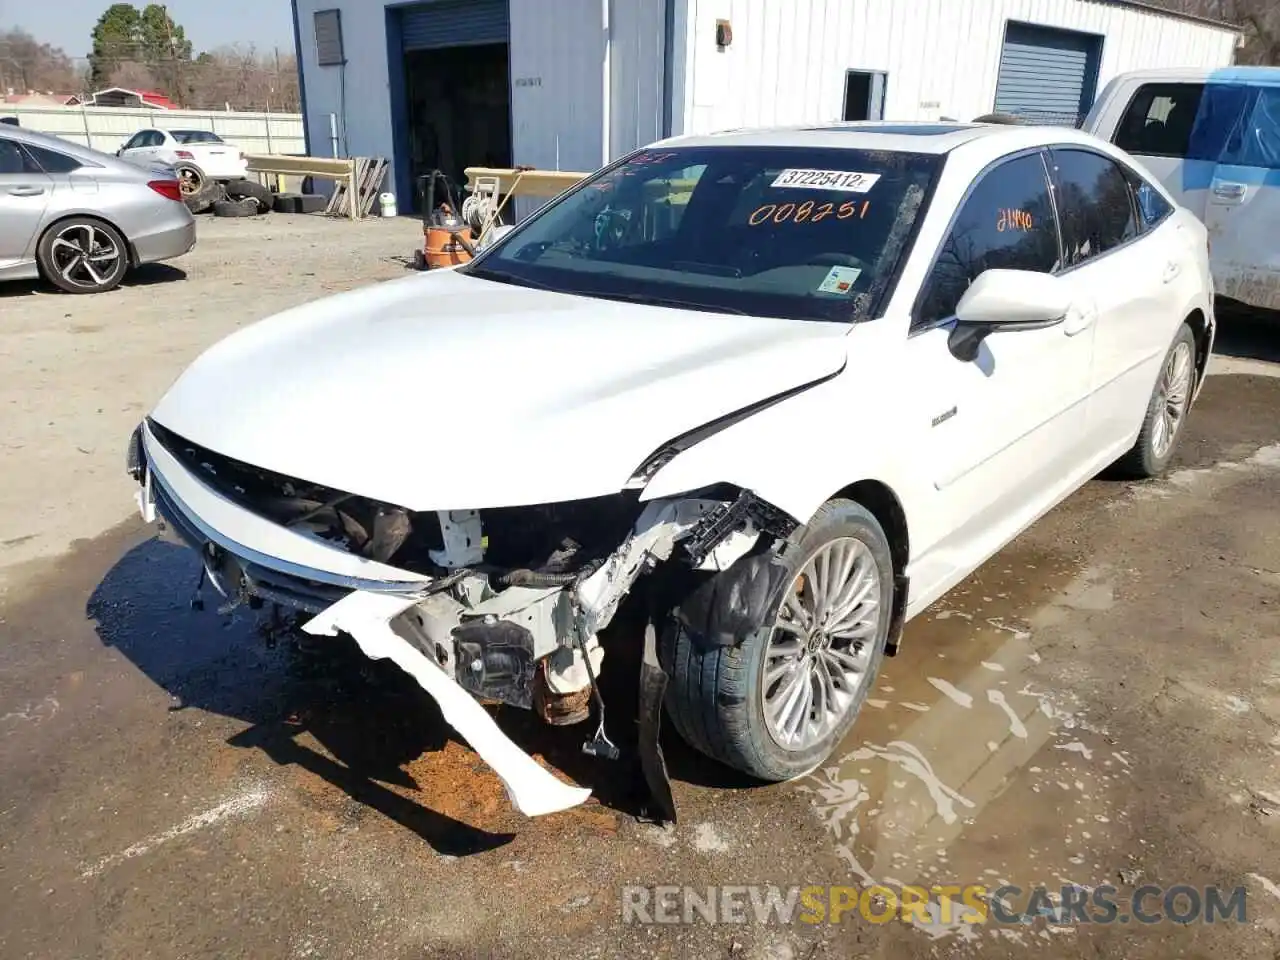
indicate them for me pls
(51, 161)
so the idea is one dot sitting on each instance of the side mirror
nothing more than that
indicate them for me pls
(1006, 300)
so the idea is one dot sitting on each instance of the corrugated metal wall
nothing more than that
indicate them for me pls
(788, 61)
(557, 83)
(637, 61)
(357, 93)
(557, 86)
(107, 128)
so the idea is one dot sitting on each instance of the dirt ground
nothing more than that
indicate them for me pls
(1100, 704)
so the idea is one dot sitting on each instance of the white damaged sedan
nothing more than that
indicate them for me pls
(779, 389)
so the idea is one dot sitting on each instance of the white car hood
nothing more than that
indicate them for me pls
(443, 391)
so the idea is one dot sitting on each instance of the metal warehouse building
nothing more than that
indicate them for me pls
(571, 84)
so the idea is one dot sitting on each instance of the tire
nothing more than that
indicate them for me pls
(998, 118)
(211, 193)
(1166, 412)
(286, 202)
(247, 207)
(246, 189)
(83, 255)
(717, 695)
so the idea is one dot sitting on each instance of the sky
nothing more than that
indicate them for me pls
(209, 23)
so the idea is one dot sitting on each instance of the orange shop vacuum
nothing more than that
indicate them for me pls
(446, 240)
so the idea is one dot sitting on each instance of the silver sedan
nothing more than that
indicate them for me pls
(80, 218)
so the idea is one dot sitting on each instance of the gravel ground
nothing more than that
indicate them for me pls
(80, 372)
(1100, 704)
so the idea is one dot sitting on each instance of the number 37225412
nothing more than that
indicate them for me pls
(807, 212)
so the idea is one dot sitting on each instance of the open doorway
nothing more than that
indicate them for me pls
(458, 103)
(864, 94)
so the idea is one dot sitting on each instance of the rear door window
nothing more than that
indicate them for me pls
(1095, 204)
(1160, 119)
(1007, 222)
(1222, 110)
(1255, 142)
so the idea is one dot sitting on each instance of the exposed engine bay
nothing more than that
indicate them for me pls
(511, 600)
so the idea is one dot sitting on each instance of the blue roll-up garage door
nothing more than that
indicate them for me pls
(1047, 75)
(454, 23)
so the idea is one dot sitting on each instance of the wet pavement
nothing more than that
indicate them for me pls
(1099, 704)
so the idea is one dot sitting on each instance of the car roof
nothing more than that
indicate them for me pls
(1268, 76)
(994, 139)
(69, 147)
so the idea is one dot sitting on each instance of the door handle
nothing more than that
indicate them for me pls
(1171, 271)
(26, 191)
(1228, 191)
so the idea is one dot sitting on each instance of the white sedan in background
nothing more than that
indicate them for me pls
(216, 158)
(791, 385)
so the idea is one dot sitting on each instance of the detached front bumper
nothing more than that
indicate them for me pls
(244, 553)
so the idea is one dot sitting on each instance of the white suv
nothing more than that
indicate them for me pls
(788, 387)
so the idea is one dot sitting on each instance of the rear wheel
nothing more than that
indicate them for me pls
(1166, 411)
(191, 179)
(83, 255)
(777, 704)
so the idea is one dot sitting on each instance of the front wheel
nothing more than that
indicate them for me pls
(1166, 411)
(777, 704)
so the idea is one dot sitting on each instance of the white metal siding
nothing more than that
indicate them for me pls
(637, 61)
(364, 81)
(788, 60)
(557, 83)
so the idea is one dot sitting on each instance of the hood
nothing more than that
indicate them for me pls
(444, 391)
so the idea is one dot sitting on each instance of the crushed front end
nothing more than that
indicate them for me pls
(504, 604)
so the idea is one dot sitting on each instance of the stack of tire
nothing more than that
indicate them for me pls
(235, 198)
(245, 198)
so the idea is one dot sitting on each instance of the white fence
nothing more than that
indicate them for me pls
(107, 128)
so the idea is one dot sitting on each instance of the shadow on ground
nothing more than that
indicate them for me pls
(369, 719)
(147, 275)
(1247, 333)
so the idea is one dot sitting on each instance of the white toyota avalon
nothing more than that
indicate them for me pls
(779, 389)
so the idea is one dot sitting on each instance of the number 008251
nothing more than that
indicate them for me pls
(808, 212)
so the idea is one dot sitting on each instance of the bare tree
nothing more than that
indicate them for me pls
(245, 79)
(132, 76)
(27, 65)
(1260, 20)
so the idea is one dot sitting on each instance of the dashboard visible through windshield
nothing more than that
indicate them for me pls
(802, 233)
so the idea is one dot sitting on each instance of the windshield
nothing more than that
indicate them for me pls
(802, 233)
(195, 136)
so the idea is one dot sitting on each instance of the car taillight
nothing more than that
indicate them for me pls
(185, 154)
(167, 188)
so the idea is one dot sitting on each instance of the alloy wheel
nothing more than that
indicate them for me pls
(85, 256)
(819, 653)
(1173, 394)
